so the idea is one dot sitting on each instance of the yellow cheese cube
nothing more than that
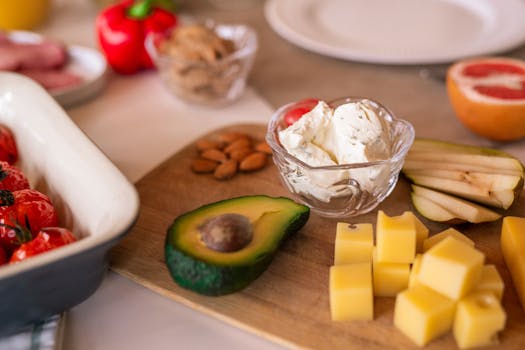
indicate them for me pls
(413, 278)
(396, 238)
(389, 278)
(421, 231)
(479, 318)
(351, 296)
(490, 281)
(435, 239)
(353, 243)
(513, 246)
(423, 314)
(451, 267)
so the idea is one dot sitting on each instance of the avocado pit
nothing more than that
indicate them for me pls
(227, 232)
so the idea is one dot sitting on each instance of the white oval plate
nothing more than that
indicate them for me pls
(85, 62)
(401, 31)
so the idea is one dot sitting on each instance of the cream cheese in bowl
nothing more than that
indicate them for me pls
(342, 158)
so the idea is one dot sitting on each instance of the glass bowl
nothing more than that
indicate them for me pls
(345, 190)
(216, 82)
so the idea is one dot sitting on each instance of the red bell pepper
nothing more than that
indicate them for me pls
(122, 29)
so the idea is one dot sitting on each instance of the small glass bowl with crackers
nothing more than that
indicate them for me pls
(205, 63)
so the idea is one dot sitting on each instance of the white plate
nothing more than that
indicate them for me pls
(401, 31)
(85, 62)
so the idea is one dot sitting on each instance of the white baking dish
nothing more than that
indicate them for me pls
(91, 195)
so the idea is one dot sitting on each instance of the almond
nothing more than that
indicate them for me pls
(240, 153)
(214, 154)
(263, 147)
(226, 170)
(254, 161)
(241, 142)
(200, 165)
(205, 144)
(231, 136)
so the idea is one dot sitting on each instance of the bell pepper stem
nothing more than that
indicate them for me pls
(140, 10)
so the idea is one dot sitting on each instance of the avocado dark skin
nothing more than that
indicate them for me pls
(199, 268)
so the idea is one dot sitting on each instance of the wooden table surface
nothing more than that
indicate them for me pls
(282, 73)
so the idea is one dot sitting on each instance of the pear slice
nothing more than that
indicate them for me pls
(421, 144)
(490, 162)
(497, 190)
(411, 164)
(441, 152)
(460, 208)
(496, 180)
(432, 211)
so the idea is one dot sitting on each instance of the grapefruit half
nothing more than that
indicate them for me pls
(488, 96)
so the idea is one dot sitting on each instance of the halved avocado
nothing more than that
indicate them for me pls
(196, 266)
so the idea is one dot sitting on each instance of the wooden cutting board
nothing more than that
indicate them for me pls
(289, 302)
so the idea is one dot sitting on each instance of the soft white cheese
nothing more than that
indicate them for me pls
(304, 139)
(352, 133)
(358, 135)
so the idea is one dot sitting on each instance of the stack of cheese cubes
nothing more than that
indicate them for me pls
(351, 292)
(440, 283)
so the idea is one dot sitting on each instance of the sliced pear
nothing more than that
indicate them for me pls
(483, 175)
(497, 190)
(461, 209)
(432, 211)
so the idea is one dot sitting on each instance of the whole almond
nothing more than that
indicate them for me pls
(231, 136)
(254, 161)
(205, 144)
(226, 170)
(214, 154)
(200, 165)
(240, 153)
(263, 147)
(239, 143)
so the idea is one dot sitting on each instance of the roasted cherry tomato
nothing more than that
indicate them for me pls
(25, 208)
(8, 150)
(12, 178)
(47, 239)
(300, 108)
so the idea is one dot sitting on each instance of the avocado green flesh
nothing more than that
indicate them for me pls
(195, 266)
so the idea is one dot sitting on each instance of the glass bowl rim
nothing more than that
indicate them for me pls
(272, 138)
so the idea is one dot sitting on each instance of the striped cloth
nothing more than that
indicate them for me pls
(45, 335)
